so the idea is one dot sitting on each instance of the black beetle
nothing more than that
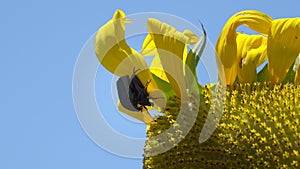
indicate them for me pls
(132, 93)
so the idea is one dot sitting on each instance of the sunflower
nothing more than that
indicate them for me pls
(249, 120)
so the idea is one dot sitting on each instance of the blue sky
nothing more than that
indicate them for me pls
(40, 43)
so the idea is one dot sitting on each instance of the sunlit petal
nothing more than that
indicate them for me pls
(148, 48)
(114, 53)
(251, 53)
(191, 37)
(226, 46)
(157, 69)
(110, 46)
(171, 48)
(283, 47)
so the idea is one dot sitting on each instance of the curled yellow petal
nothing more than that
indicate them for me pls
(163, 34)
(226, 46)
(170, 46)
(283, 47)
(255, 20)
(114, 53)
(110, 46)
(251, 53)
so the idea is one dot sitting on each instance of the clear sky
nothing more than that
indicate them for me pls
(39, 45)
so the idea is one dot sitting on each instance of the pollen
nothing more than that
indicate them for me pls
(259, 128)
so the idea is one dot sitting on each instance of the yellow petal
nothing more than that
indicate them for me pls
(251, 53)
(226, 46)
(191, 37)
(163, 33)
(171, 48)
(143, 116)
(148, 48)
(297, 77)
(255, 20)
(157, 69)
(115, 55)
(283, 47)
(247, 71)
(110, 46)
